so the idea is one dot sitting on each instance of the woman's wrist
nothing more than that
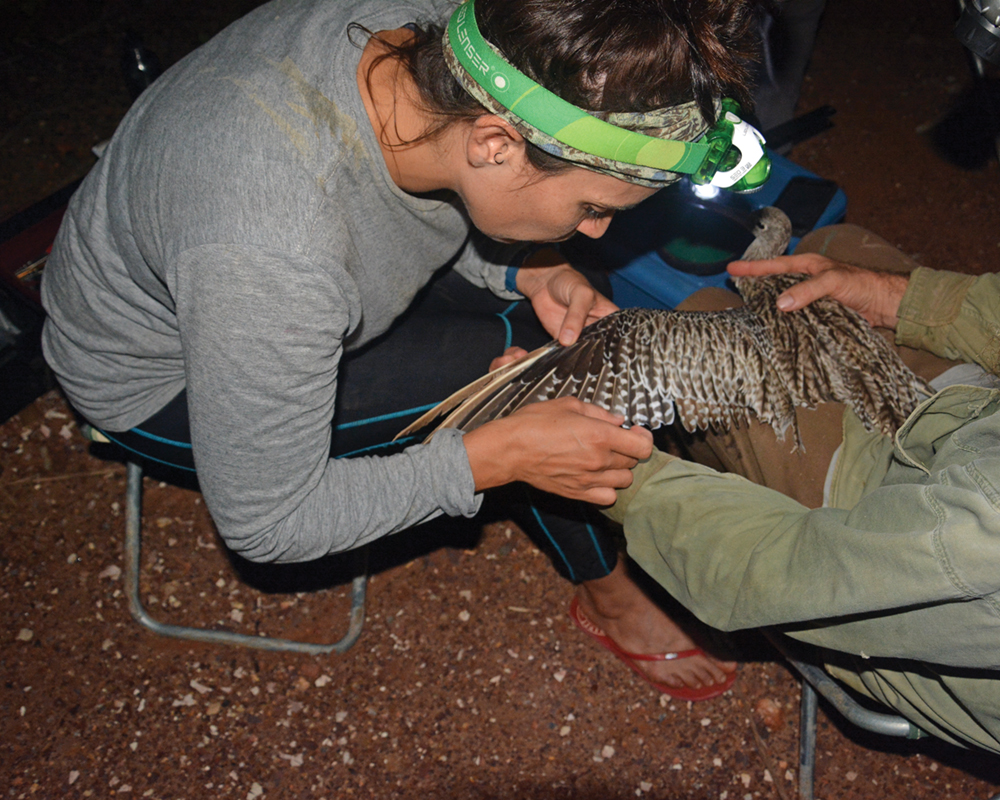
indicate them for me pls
(487, 450)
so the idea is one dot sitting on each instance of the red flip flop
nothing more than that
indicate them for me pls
(629, 659)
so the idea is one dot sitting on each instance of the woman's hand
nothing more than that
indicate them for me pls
(563, 446)
(510, 355)
(563, 299)
(874, 295)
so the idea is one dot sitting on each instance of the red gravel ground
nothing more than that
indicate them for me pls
(468, 680)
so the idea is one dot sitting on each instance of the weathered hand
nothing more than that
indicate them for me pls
(562, 446)
(874, 295)
(563, 299)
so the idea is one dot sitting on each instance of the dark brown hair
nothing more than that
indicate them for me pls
(601, 55)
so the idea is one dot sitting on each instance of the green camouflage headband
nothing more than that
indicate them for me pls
(614, 142)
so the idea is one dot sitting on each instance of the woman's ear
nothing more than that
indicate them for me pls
(493, 142)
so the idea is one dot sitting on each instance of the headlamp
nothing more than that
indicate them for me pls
(730, 155)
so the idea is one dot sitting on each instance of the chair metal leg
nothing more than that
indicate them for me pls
(133, 545)
(807, 741)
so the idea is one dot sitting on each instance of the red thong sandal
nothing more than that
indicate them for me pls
(629, 659)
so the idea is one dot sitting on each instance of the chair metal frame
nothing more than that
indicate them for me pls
(133, 548)
(816, 681)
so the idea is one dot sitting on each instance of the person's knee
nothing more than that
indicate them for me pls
(852, 244)
(710, 298)
(845, 235)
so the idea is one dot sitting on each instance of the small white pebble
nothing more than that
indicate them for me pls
(25, 635)
(293, 760)
(464, 615)
(607, 751)
(565, 730)
(559, 675)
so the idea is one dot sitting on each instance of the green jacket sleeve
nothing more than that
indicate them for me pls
(953, 316)
(884, 578)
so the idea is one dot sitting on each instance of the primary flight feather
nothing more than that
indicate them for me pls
(710, 370)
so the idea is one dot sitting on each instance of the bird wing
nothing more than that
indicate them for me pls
(642, 364)
(709, 370)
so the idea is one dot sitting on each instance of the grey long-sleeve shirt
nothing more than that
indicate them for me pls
(240, 233)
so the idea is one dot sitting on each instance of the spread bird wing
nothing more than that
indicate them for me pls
(628, 364)
(710, 370)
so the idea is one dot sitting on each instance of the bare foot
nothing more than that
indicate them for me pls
(637, 625)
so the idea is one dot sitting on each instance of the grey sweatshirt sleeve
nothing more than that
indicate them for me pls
(484, 263)
(262, 339)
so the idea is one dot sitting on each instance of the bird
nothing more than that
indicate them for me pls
(711, 371)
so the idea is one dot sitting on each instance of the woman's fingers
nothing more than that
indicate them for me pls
(510, 355)
(563, 446)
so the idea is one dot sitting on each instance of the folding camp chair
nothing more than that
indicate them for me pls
(133, 546)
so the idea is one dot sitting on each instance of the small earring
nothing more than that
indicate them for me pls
(497, 159)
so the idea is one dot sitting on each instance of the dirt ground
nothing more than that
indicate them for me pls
(468, 679)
